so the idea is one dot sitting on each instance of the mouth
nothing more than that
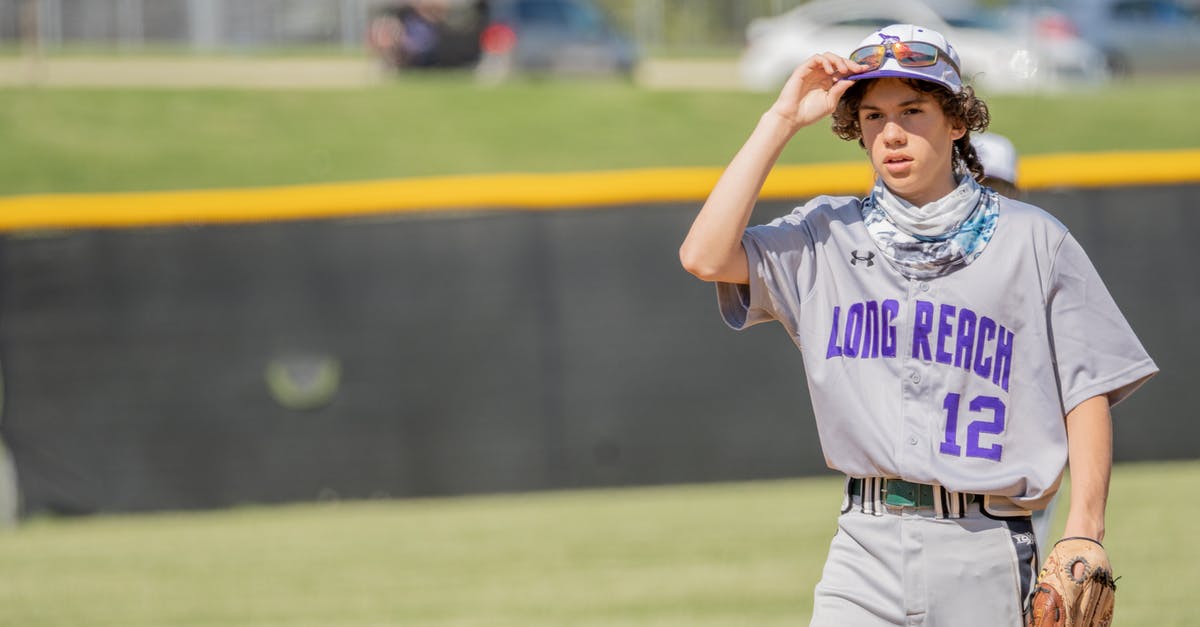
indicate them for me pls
(897, 163)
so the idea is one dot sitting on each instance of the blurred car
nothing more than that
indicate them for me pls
(1068, 56)
(501, 37)
(997, 54)
(1134, 36)
(426, 33)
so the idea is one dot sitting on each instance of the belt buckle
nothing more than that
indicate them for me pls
(906, 496)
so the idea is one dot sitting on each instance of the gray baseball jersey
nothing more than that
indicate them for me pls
(962, 380)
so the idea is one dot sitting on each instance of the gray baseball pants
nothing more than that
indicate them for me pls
(926, 566)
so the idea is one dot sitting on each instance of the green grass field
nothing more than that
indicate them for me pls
(69, 140)
(702, 555)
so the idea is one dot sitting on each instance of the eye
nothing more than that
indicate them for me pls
(912, 110)
(872, 116)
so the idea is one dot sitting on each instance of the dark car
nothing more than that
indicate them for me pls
(500, 37)
(427, 33)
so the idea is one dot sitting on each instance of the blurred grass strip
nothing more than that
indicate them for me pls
(708, 555)
(113, 140)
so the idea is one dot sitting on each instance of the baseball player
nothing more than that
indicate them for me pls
(960, 348)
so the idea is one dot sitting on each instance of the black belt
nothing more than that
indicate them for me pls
(900, 493)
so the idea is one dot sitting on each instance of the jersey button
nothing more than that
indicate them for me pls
(915, 377)
(924, 287)
(912, 440)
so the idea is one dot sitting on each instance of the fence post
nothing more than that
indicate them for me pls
(49, 23)
(203, 24)
(10, 496)
(131, 25)
(649, 23)
(353, 18)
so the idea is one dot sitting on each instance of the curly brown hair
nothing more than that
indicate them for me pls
(964, 108)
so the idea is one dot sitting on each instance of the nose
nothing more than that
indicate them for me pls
(893, 134)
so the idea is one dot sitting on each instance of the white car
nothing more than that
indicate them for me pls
(998, 56)
(1136, 36)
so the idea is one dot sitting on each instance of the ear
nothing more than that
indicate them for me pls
(958, 130)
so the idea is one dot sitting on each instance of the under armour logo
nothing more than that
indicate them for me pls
(855, 258)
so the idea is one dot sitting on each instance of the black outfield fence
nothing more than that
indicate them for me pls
(436, 354)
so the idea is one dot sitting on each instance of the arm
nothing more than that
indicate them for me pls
(1089, 453)
(713, 248)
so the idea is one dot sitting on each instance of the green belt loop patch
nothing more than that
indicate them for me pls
(905, 494)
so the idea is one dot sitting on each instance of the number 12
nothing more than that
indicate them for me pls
(995, 426)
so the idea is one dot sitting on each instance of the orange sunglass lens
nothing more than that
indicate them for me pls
(914, 55)
(870, 56)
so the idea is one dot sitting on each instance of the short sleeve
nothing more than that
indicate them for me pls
(780, 256)
(1095, 350)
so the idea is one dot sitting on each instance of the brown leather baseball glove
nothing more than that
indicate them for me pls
(1062, 598)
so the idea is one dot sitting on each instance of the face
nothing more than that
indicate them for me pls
(909, 139)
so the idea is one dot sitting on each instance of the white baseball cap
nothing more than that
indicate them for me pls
(942, 68)
(998, 156)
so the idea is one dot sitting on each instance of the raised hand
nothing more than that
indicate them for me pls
(814, 88)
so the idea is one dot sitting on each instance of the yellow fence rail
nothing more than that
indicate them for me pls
(537, 192)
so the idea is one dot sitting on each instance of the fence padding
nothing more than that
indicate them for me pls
(178, 368)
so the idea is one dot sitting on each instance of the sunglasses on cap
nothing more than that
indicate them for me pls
(906, 53)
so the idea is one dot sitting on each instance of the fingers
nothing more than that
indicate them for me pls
(815, 87)
(834, 65)
(840, 88)
(829, 70)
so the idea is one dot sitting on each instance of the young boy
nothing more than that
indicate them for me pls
(959, 346)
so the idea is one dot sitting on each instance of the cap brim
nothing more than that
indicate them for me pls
(892, 73)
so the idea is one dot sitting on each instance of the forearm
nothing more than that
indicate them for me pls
(1089, 454)
(713, 247)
